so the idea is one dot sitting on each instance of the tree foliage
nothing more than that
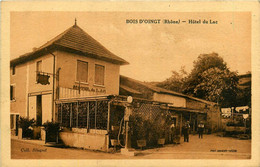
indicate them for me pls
(203, 63)
(209, 79)
(244, 91)
(176, 81)
(218, 86)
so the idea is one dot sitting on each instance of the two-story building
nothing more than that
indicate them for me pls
(73, 64)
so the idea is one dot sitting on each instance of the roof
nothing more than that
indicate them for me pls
(128, 89)
(248, 75)
(162, 90)
(244, 81)
(76, 40)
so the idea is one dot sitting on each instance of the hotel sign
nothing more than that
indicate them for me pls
(89, 89)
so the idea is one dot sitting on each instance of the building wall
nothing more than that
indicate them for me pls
(47, 66)
(67, 62)
(24, 81)
(213, 113)
(195, 104)
(85, 140)
(18, 105)
(214, 117)
(175, 100)
(46, 108)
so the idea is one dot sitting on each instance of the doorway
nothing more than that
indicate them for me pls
(174, 120)
(39, 110)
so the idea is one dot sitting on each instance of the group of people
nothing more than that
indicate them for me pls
(175, 133)
(186, 130)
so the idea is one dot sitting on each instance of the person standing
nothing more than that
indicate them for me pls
(201, 129)
(186, 129)
(172, 132)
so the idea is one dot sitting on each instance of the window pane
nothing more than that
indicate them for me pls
(92, 115)
(83, 114)
(74, 115)
(82, 71)
(99, 74)
(12, 92)
(65, 108)
(102, 115)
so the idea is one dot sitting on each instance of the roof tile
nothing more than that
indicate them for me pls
(76, 39)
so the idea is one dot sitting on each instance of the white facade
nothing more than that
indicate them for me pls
(175, 101)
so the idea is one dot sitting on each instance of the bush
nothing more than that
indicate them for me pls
(26, 124)
(162, 127)
(51, 126)
(140, 127)
(52, 129)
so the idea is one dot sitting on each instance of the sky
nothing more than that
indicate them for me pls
(153, 50)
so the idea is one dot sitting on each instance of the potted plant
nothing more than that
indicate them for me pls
(52, 131)
(140, 130)
(113, 137)
(26, 126)
(161, 130)
(160, 127)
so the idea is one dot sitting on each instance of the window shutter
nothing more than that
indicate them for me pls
(99, 74)
(82, 71)
(12, 92)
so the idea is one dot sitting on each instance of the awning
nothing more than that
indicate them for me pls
(181, 109)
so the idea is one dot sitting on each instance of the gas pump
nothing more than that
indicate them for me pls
(128, 111)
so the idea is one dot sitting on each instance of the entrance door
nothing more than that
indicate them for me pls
(39, 110)
(174, 121)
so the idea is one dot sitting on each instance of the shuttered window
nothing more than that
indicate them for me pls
(82, 71)
(99, 74)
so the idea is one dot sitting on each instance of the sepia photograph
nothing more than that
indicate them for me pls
(130, 85)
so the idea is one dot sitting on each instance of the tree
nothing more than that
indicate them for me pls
(203, 63)
(175, 82)
(219, 86)
(210, 79)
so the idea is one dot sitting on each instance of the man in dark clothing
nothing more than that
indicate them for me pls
(201, 129)
(186, 129)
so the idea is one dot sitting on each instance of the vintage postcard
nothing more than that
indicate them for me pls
(110, 83)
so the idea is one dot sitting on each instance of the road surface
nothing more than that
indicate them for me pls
(210, 147)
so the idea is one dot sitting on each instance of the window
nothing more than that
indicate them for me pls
(99, 74)
(88, 114)
(12, 92)
(12, 121)
(39, 66)
(82, 71)
(13, 70)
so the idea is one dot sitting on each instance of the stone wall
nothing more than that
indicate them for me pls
(85, 140)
